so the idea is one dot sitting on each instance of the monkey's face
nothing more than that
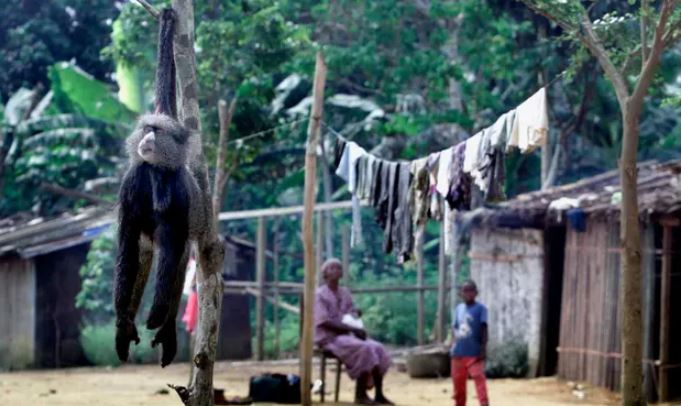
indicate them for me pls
(147, 146)
(159, 140)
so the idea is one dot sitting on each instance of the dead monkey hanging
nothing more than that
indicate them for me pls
(159, 211)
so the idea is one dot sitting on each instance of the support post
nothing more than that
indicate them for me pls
(260, 279)
(306, 354)
(345, 251)
(665, 314)
(440, 313)
(419, 250)
(319, 247)
(275, 278)
(455, 270)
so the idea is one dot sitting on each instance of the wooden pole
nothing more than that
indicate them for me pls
(345, 251)
(419, 250)
(456, 264)
(260, 279)
(275, 277)
(306, 359)
(665, 314)
(440, 313)
(319, 247)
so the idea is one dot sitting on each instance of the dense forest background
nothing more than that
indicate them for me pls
(405, 78)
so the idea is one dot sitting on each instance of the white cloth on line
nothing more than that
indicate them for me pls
(471, 152)
(500, 131)
(531, 123)
(444, 171)
(347, 170)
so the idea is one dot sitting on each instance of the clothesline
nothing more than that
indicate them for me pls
(269, 130)
(405, 194)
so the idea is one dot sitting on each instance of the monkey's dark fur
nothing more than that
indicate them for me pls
(160, 213)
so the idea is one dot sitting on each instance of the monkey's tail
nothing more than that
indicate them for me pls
(165, 69)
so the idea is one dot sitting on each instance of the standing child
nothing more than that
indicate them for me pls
(470, 332)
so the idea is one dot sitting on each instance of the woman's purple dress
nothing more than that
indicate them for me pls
(359, 356)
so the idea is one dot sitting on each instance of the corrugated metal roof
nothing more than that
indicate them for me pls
(38, 236)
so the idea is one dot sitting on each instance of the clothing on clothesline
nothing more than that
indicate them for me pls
(420, 191)
(459, 195)
(347, 170)
(444, 171)
(435, 201)
(531, 123)
(405, 194)
(393, 200)
(403, 238)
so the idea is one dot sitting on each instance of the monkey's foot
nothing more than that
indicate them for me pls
(125, 333)
(166, 337)
(157, 315)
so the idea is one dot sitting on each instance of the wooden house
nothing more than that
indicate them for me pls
(550, 275)
(40, 261)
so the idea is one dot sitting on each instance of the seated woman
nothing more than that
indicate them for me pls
(365, 359)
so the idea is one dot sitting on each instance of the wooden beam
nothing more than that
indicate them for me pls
(664, 344)
(281, 211)
(282, 305)
(306, 357)
(260, 280)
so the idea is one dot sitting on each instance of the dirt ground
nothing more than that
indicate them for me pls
(146, 385)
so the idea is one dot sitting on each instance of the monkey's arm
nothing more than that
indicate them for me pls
(127, 263)
(130, 264)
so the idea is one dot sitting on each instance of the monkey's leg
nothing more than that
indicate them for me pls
(166, 336)
(171, 240)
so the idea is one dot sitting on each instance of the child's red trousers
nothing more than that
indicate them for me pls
(461, 367)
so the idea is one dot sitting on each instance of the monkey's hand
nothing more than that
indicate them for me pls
(125, 333)
(166, 337)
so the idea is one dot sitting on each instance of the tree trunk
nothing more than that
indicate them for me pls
(631, 270)
(210, 248)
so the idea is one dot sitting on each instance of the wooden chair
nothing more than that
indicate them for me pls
(324, 355)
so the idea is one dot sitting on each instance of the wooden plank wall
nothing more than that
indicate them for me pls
(508, 267)
(589, 346)
(17, 313)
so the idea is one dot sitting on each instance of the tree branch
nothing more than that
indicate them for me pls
(643, 30)
(150, 9)
(590, 39)
(567, 26)
(225, 115)
(76, 194)
(657, 47)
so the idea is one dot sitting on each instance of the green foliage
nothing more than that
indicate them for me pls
(72, 135)
(76, 91)
(97, 277)
(37, 34)
(98, 345)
